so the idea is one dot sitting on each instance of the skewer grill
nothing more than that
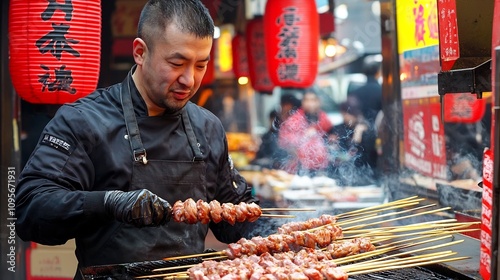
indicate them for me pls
(131, 270)
(147, 269)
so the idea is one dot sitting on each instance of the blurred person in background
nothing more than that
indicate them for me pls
(304, 136)
(289, 104)
(270, 154)
(369, 94)
(352, 147)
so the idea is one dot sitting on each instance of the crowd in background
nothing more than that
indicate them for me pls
(302, 140)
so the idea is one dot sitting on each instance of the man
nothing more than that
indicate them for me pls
(369, 94)
(107, 164)
(353, 144)
(304, 135)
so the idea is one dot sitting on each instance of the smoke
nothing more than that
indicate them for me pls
(459, 199)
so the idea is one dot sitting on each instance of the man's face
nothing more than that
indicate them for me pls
(171, 71)
(311, 103)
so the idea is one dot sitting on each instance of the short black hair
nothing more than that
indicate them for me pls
(190, 16)
(290, 98)
(351, 106)
(371, 65)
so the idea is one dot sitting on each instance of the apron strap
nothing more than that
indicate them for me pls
(195, 146)
(131, 122)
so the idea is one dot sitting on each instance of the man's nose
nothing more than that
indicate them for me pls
(187, 78)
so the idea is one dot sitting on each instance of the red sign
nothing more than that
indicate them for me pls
(463, 108)
(54, 49)
(486, 215)
(292, 42)
(424, 143)
(448, 33)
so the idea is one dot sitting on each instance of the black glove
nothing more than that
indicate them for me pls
(139, 208)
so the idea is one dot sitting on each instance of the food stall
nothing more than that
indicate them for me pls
(371, 211)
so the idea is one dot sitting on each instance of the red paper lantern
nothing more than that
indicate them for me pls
(210, 73)
(463, 108)
(54, 49)
(292, 41)
(240, 59)
(212, 6)
(256, 52)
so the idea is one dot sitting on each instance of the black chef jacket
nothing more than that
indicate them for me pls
(84, 151)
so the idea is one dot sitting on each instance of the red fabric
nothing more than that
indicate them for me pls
(309, 149)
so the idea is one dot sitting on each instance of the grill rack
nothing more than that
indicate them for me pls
(131, 270)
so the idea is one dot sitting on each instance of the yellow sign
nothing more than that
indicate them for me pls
(417, 24)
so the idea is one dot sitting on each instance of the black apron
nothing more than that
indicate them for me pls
(171, 180)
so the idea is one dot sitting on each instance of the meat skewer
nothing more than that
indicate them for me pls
(305, 264)
(276, 243)
(192, 212)
(306, 225)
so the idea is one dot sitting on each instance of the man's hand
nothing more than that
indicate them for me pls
(140, 208)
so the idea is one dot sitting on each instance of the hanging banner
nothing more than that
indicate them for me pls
(54, 49)
(448, 33)
(463, 108)
(424, 143)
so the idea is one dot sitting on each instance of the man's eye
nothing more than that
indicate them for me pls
(176, 64)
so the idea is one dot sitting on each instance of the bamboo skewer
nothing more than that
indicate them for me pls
(378, 233)
(379, 210)
(182, 276)
(173, 267)
(373, 216)
(165, 275)
(400, 261)
(399, 218)
(386, 262)
(288, 209)
(418, 250)
(211, 254)
(418, 237)
(407, 265)
(380, 251)
(435, 224)
(418, 225)
(276, 216)
(404, 200)
(389, 214)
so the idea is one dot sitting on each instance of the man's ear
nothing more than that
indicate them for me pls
(140, 49)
